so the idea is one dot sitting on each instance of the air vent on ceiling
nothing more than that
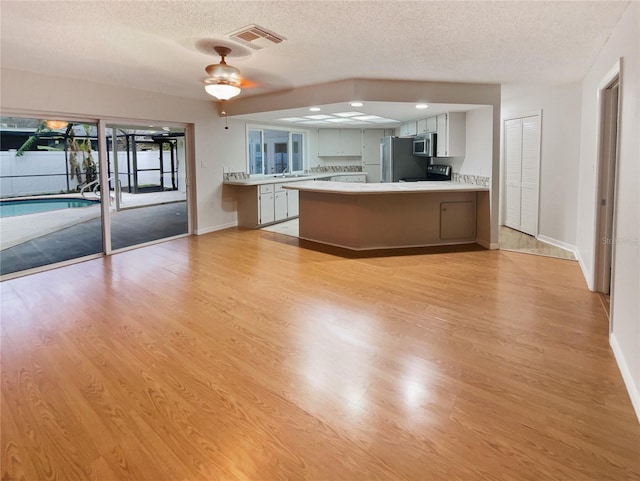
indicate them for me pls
(256, 37)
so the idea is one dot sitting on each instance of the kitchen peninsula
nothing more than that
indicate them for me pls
(392, 215)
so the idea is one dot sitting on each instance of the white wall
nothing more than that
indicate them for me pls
(623, 43)
(479, 150)
(559, 153)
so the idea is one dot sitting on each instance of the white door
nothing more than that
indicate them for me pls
(530, 175)
(513, 164)
(522, 173)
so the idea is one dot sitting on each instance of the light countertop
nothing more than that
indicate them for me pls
(384, 188)
(276, 179)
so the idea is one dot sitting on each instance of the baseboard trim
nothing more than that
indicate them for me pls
(585, 272)
(488, 245)
(632, 389)
(557, 243)
(208, 230)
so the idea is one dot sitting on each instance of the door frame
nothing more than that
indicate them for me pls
(608, 153)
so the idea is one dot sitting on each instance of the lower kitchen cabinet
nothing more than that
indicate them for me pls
(458, 220)
(349, 178)
(280, 204)
(293, 203)
(265, 204)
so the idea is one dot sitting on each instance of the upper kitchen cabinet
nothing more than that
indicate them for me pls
(408, 129)
(451, 139)
(427, 126)
(339, 143)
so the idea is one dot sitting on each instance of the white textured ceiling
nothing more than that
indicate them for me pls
(158, 45)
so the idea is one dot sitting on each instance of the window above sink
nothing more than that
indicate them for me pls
(275, 152)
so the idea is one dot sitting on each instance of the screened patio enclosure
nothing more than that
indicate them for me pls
(60, 193)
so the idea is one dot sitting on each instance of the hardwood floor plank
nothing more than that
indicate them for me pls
(246, 355)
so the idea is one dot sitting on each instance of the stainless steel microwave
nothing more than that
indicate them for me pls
(425, 145)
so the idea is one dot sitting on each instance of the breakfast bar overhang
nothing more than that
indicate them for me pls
(393, 215)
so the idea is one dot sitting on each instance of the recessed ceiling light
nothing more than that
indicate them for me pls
(356, 104)
(314, 109)
(421, 106)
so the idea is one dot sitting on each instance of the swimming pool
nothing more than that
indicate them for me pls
(16, 207)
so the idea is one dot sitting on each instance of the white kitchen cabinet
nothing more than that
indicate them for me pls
(339, 143)
(432, 124)
(266, 206)
(428, 125)
(362, 178)
(280, 203)
(408, 129)
(349, 178)
(451, 134)
(293, 208)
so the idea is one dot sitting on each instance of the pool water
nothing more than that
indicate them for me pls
(12, 208)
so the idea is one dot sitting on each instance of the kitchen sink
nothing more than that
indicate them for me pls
(291, 176)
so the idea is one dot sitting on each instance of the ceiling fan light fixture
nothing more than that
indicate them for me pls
(222, 91)
(56, 124)
(224, 81)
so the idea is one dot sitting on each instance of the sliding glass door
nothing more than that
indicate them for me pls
(49, 212)
(60, 191)
(147, 184)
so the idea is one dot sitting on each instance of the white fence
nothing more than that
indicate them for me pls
(45, 172)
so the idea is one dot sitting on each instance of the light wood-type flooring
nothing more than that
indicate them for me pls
(250, 355)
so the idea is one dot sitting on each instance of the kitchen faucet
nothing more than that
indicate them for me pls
(285, 171)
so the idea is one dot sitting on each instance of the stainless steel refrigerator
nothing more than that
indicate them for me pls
(397, 160)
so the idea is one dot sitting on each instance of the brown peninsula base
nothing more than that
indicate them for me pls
(393, 220)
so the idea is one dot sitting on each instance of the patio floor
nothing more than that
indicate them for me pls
(128, 227)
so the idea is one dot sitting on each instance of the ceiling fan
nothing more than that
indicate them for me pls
(224, 80)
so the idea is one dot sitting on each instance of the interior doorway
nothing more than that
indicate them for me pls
(608, 155)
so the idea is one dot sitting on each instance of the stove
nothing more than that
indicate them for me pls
(439, 172)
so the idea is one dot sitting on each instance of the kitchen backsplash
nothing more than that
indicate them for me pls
(235, 176)
(314, 170)
(470, 179)
(335, 168)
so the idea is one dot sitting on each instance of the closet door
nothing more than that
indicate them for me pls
(522, 173)
(530, 175)
(513, 164)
